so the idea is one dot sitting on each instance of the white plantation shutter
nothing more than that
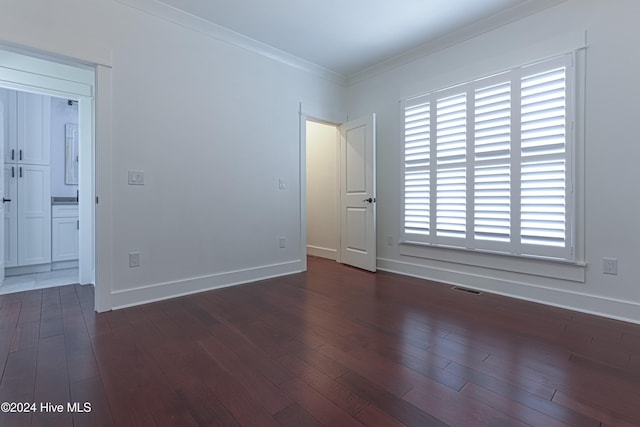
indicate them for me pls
(451, 149)
(497, 175)
(492, 168)
(544, 156)
(417, 157)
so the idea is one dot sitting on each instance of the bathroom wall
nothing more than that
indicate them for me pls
(61, 114)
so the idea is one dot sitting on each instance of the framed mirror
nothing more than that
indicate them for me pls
(71, 154)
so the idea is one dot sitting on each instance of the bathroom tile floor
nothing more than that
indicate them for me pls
(28, 282)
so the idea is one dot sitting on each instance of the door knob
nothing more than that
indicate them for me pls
(370, 200)
(5, 200)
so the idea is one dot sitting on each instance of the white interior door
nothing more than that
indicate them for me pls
(358, 193)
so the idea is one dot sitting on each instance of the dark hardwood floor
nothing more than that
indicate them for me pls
(333, 346)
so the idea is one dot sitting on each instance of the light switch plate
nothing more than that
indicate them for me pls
(136, 178)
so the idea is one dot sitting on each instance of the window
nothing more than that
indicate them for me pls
(487, 164)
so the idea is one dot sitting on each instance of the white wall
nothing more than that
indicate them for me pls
(610, 196)
(322, 190)
(213, 126)
(61, 114)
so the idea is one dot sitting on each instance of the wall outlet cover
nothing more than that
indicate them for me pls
(610, 266)
(134, 259)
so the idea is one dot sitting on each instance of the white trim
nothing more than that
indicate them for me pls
(168, 290)
(591, 304)
(322, 252)
(63, 55)
(220, 33)
(20, 71)
(549, 268)
(103, 190)
(86, 211)
(302, 147)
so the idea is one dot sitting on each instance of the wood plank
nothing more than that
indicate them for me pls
(258, 387)
(295, 416)
(91, 391)
(343, 397)
(52, 382)
(606, 415)
(550, 408)
(317, 405)
(388, 402)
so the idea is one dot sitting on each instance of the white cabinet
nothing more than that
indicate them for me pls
(27, 220)
(28, 215)
(28, 123)
(9, 100)
(64, 233)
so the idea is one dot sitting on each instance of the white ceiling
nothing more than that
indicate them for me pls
(348, 36)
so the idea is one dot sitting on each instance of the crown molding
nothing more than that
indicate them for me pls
(448, 40)
(186, 20)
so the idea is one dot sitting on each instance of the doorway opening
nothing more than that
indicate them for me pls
(40, 200)
(323, 191)
(47, 153)
(337, 165)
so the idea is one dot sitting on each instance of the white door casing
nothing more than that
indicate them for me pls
(2, 191)
(358, 193)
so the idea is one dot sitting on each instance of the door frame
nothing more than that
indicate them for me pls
(53, 74)
(330, 118)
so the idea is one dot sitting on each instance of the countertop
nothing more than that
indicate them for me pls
(64, 201)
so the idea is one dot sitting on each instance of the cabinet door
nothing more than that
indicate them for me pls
(8, 98)
(34, 129)
(34, 214)
(64, 239)
(11, 215)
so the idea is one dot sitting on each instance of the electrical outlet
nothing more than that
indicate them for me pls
(610, 266)
(282, 242)
(134, 259)
(389, 240)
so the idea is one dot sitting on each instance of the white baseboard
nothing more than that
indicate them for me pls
(592, 304)
(162, 291)
(322, 252)
(27, 269)
(61, 265)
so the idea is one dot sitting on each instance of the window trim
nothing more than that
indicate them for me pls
(570, 252)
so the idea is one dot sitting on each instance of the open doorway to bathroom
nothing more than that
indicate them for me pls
(43, 90)
(41, 182)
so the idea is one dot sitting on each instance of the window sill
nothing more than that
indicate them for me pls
(552, 268)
